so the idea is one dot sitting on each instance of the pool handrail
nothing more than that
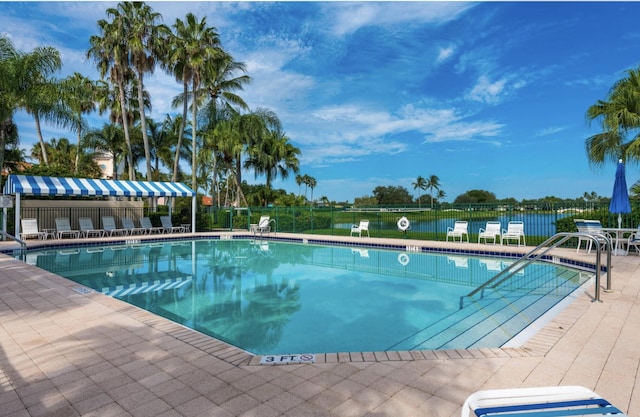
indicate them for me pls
(21, 242)
(529, 258)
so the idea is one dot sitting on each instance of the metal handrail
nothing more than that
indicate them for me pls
(532, 257)
(21, 242)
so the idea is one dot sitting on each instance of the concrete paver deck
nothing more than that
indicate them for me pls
(65, 352)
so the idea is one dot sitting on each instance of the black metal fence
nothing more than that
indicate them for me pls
(540, 222)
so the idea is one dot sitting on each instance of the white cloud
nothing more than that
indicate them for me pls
(486, 91)
(445, 53)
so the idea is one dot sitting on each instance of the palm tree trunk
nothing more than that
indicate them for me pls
(43, 148)
(176, 160)
(125, 128)
(143, 125)
(194, 154)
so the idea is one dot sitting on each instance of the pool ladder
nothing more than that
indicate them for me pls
(541, 250)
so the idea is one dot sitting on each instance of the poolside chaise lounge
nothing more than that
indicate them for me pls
(263, 226)
(459, 231)
(515, 231)
(538, 401)
(145, 223)
(168, 225)
(490, 231)
(30, 229)
(593, 228)
(63, 228)
(363, 226)
(110, 228)
(130, 227)
(87, 229)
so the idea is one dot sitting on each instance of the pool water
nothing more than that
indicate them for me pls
(283, 298)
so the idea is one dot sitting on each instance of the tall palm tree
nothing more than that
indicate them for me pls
(312, 184)
(145, 39)
(420, 184)
(619, 116)
(433, 183)
(111, 56)
(194, 46)
(79, 95)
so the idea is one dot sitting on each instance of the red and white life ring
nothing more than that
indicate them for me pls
(403, 224)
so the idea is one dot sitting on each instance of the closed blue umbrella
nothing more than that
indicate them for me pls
(620, 197)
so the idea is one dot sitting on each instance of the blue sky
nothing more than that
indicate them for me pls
(488, 95)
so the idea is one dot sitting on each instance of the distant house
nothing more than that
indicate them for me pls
(207, 201)
(105, 162)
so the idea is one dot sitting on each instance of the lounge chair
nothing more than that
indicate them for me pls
(459, 230)
(110, 228)
(515, 231)
(633, 240)
(30, 229)
(490, 231)
(539, 401)
(87, 229)
(145, 223)
(363, 226)
(263, 226)
(594, 228)
(63, 228)
(168, 226)
(130, 227)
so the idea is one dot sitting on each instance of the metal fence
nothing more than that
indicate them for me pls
(540, 221)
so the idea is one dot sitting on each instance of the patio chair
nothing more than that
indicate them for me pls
(168, 226)
(63, 228)
(263, 226)
(539, 401)
(363, 226)
(110, 228)
(594, 228)
(490, 231)
(87, 229)
(459, 230)
(633, 240)
(515, 231)
(145, 223)
(130, 227)
(30, 229)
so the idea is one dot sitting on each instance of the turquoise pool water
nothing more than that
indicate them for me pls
(283, 298)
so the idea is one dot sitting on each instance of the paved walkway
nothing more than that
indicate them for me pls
(65, 352)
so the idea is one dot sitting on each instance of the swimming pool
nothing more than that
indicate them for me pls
(277, 297)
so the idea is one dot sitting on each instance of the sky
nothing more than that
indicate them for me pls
(488, 95)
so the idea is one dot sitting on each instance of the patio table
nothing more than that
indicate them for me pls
(620, 232)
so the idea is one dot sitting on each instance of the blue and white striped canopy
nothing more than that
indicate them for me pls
(34, 185)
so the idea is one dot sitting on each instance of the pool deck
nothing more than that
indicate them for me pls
(68, 352)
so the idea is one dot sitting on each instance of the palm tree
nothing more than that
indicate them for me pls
(145, 39)
(440, 195)
(78, 93)
(433, 183)
(299, 181)
(194, 47)
(111, 56)
(312, 183)
(619, 116)
(420, 184)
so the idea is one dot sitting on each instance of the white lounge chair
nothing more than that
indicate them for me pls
(145, 223)
(30, 229)
(539, 401)
(633, 240)
(168, 226)
(594, 228)
(130, 227)
(87, 229)
(263, 225)
(490, 231)
(515, 231)
(63, 228)
(459, 231)
(363, 226)
(110, 228)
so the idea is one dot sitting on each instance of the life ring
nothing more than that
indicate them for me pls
(403, 224)
(403, 258)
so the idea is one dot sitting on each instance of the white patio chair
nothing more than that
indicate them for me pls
(87, 229)
(594, 228)
(30, 229)
(490, 231)
(168, 226)
(515, 231)
(130, 227)
(633, 240)
(459, 231)
(63, 228)
(110, 228)
(363, 226)
(538, 401)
